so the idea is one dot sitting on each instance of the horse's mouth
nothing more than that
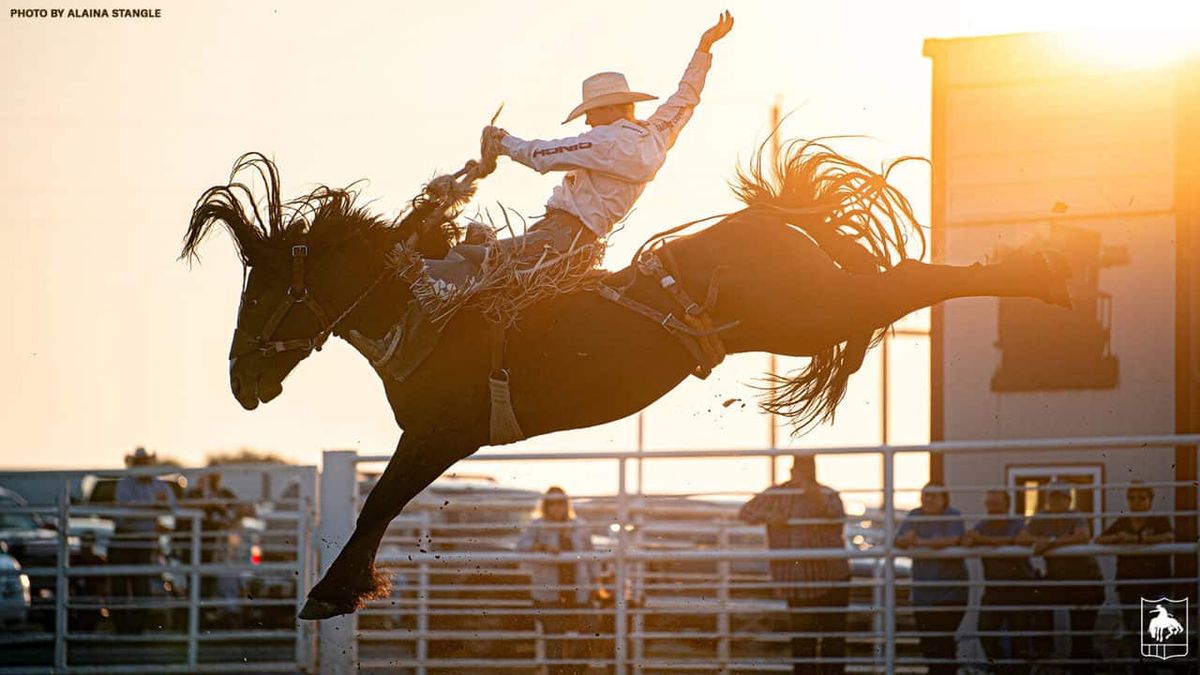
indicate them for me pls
(249, 393)
(268, 392)
(247, 398)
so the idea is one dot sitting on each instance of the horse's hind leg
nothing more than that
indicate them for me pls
(418, 460)
(875, 300)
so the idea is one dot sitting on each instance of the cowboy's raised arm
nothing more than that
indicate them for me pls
(677, 110)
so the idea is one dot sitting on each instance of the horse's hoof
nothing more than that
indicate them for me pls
(315, 610)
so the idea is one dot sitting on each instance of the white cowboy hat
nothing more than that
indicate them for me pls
(604, 89)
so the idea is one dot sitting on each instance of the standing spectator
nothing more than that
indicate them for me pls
(939, 594)
(1001, 529)
(1139, 529)
(561, 589)
(135, 538)
(1054, 526)
(817, 590)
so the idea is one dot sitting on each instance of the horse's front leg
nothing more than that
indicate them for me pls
(418, 460)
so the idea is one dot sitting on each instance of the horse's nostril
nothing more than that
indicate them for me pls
(236, 384)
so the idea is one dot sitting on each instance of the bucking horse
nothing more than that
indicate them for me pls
(822, 259)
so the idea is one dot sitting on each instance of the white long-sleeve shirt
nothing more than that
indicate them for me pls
(608, 167)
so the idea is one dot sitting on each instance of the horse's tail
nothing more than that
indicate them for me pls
(811, 395)
(862, 221)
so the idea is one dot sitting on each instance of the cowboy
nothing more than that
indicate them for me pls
(608, 167)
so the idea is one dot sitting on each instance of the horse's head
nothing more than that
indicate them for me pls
(303, 275)
(279, 324)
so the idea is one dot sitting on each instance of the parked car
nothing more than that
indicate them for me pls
(33, 541)
(15, 597)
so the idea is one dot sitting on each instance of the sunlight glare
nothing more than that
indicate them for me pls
(1130, 50)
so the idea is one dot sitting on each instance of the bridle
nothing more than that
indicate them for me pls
(297, 295)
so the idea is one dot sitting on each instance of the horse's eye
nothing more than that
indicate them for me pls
(253, 302)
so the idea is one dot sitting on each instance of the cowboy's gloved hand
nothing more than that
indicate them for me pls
(490, 148)
(496, 133)
(719, 30)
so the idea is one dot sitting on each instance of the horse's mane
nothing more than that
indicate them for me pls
(267, 223)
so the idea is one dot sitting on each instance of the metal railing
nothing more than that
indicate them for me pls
(95, 607)
(679, 584)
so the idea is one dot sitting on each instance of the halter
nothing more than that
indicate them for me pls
(297, 294)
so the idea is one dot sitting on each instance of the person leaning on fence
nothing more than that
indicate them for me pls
(561, 589)
(1055, 525)
(1001, 529)
(817, 590)
(1139, 575)
(939, 593)
(135, 538)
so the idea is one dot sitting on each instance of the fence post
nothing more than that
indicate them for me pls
(639, 582)
(889, 561)
(193, 613)
(723, 623)
(337, 648)
(305, 557)
(61, 587)
(621, 622)
(423, 598)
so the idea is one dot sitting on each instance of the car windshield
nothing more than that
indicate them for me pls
(17, 521)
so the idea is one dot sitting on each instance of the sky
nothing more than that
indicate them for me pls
(111, 128)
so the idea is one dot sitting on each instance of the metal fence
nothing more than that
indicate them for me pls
(690, 584)
(164, 588)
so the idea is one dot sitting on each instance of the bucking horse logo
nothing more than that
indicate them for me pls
(1164, 636)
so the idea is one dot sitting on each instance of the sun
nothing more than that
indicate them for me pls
(1131, 49)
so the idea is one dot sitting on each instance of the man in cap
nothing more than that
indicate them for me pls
(1057, 524)
(817, 590)
(135, 537)
(608, 167)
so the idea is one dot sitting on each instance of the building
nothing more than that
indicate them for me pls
(1037, 139)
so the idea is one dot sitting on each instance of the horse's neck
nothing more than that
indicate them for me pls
(380, 309)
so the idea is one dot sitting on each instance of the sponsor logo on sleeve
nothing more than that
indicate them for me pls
(559, 149)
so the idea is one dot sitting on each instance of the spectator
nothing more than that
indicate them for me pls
(1139, 529)
(809, 585)
(939, 594)
(222, 514)
(1001, 529)
(1054, 526)
(135, 540)
(561, 589)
